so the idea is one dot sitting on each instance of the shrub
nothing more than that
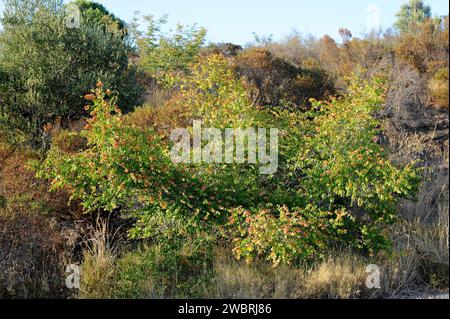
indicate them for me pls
(274, 82)
(126, 170)
(356, 175)
(213, 93)
(426, 49)
(48, 67)
(283, 237)
(33, 253)
(353, 181)
(69, 142)
(164, 55)
(327, 191)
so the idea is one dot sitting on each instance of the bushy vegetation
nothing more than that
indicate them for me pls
(46, 67)
(86, 178)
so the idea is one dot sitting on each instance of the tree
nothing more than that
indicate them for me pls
(345, 34)
(96, 13)
(162, 54)
(47, 67)
(411, 15)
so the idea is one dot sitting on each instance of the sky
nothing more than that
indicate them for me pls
(235, 21)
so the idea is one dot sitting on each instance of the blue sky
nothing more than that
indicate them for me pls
(236, 20)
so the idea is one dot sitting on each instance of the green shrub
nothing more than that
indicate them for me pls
(47, 67)
(164, 55)
(335, 184)
(347, 190)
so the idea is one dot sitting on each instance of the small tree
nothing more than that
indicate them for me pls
(163, 55)
(411, 15)
(47, 67)
(96, 13)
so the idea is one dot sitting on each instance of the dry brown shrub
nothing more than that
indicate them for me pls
(33, 255)
(427, 49)
(21, 188)
(275, 82)
(438, 87)
(69, 142)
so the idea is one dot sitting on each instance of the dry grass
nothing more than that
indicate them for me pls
(337, 278)
(98, 267)
(421, 237)
(438, 87)
(341, 277)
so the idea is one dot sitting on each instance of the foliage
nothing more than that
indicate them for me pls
(128, 170)
(163, 54)
(347, 189)
(96, 13)
(339, 191)
(47, 67)
(346, 168)
(282, 236)
(211, 92)
(411, 15)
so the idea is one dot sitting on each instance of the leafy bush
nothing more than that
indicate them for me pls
(162, 55)
(335, 183)
(346, 169)
(282, 236)
(127, 170)
(346, 188)
(47, 67)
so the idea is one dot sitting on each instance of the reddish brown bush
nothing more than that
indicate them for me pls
(32, 257)
(427, 50)
(275, 82)
(6, 151)
(21, 188)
